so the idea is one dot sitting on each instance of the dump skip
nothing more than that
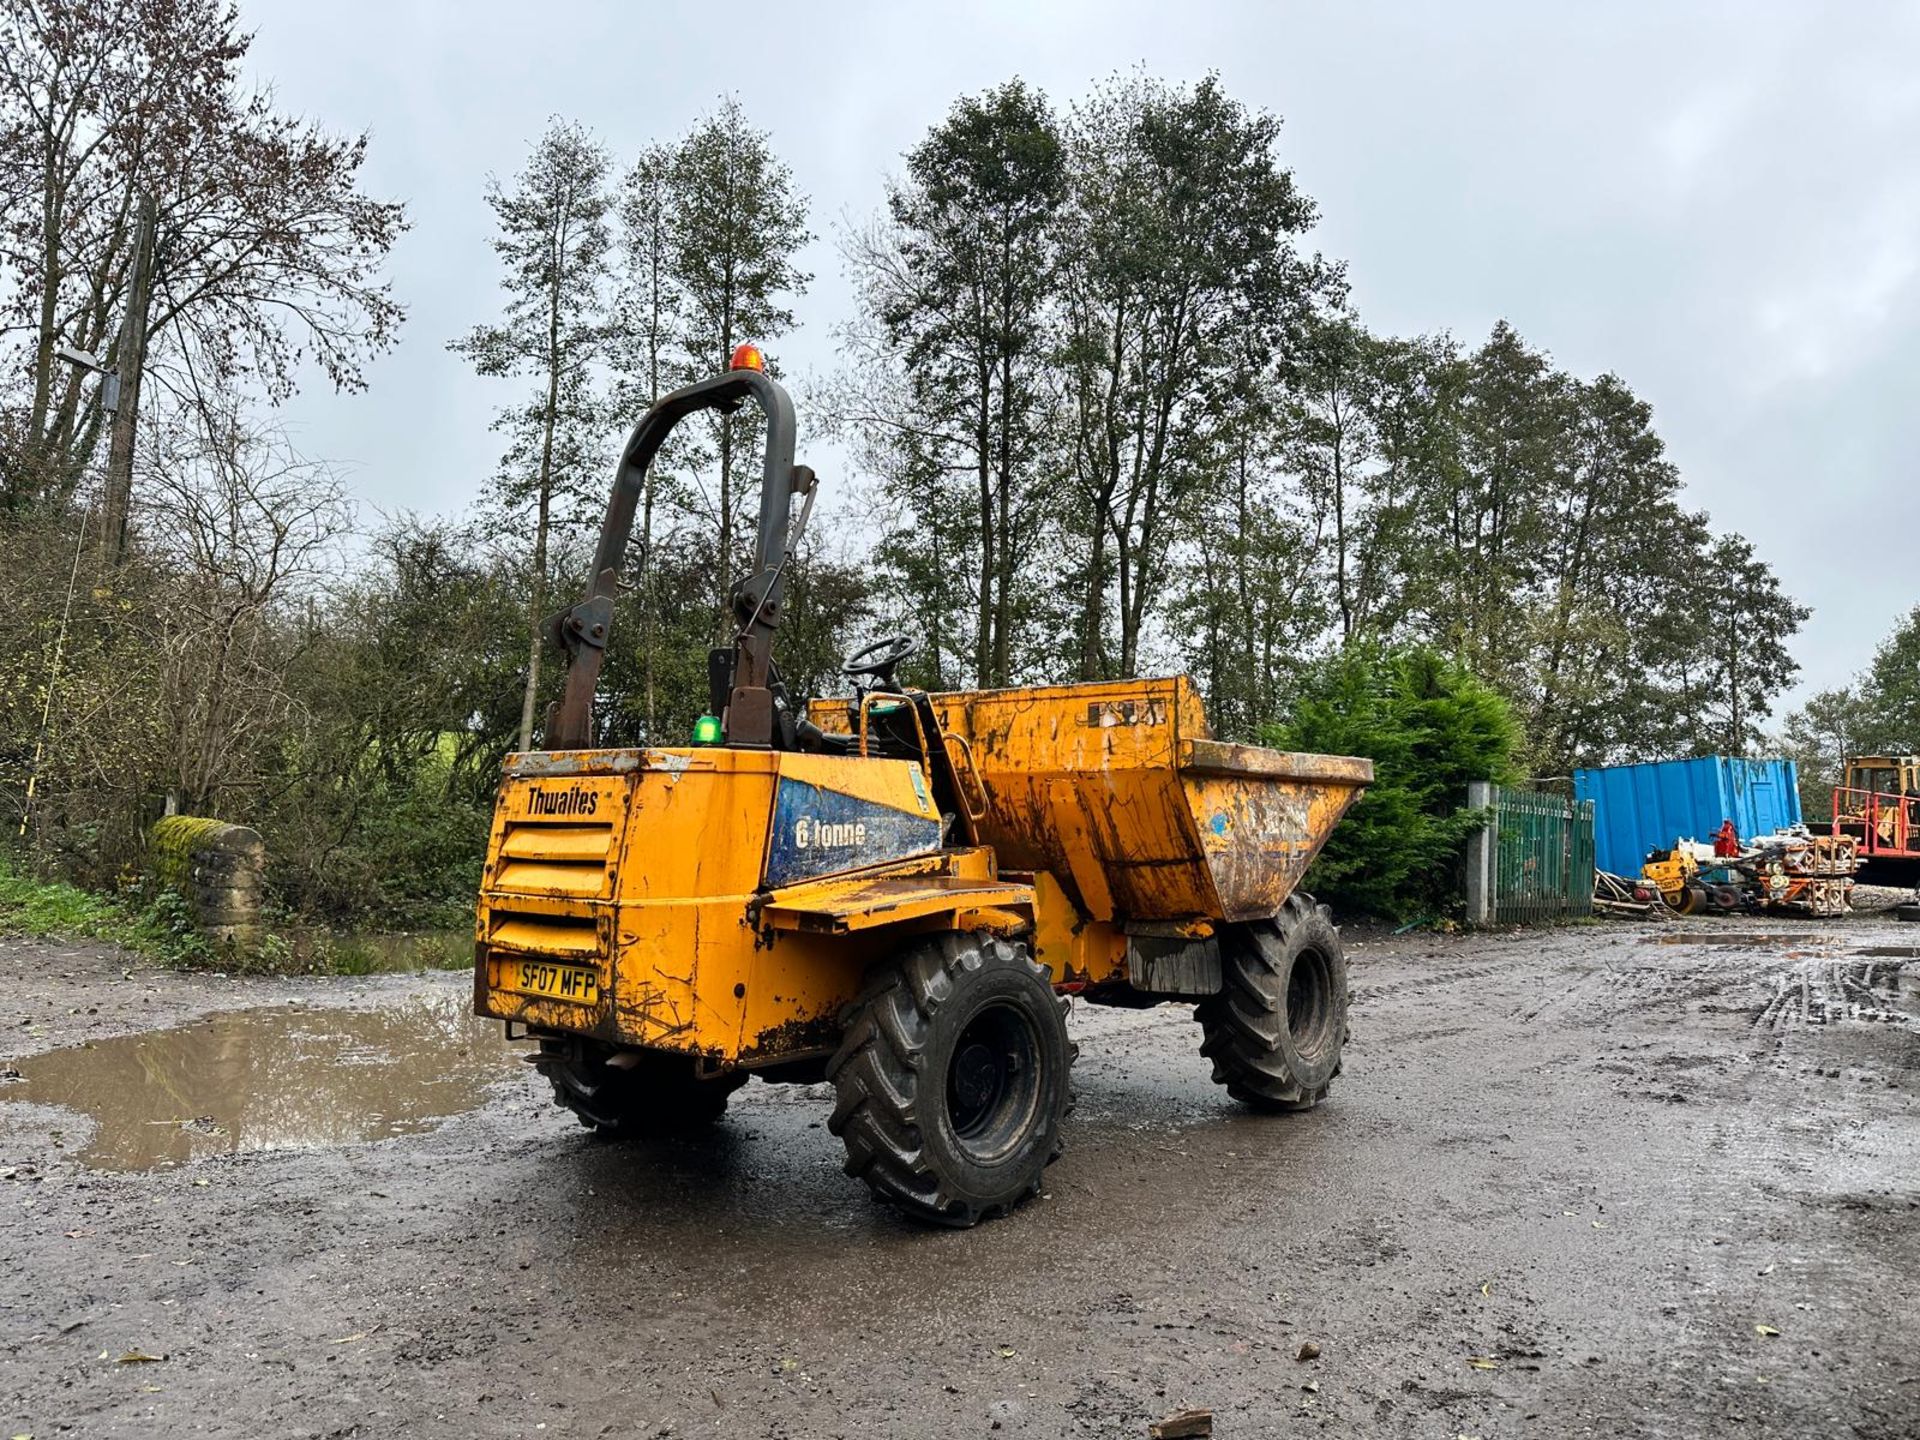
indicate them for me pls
(269, 1079)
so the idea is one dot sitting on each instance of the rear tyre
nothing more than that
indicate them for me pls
(652, 1093)
(1276, 1029)
(951, 1081)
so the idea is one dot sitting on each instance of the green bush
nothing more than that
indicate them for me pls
(1430, 727)
(54, 910)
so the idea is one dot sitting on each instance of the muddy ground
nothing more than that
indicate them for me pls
(1571, 1184)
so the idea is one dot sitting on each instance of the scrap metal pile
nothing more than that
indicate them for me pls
(1790, 871)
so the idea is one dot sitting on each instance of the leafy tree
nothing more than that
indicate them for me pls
(553, 237)
(1820, 736)
(1892, 689)
(1182, 278)
(1333, 445)
(1249, 604)
(959, 285)
(736, 225)
(1617, 546)
(406, 683)
(1430, 727)
(1746, 620)
(650, 359)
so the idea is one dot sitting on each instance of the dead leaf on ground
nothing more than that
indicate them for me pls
(1765, 1330)
(139, 1357)
(1486, 1289)
(1312, 1387)
(349, 1339)
(1308, 1351)
(1483, 1362)
(1183, 1425)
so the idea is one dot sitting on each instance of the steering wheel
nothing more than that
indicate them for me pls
(877, 660)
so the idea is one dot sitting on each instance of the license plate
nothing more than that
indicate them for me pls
(575, 983)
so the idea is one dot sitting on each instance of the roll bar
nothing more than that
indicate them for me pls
(582, 630)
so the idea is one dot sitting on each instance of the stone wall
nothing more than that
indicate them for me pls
(217, 867)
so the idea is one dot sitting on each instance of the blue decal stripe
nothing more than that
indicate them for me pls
(819, 832)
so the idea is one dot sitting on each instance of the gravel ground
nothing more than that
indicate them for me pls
(1608, 1181)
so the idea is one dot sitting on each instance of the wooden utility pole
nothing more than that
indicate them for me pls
(129, 360)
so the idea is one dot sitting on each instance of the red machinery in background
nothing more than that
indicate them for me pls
(1879, 808)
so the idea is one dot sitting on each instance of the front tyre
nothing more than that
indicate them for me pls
(951, 1081)
(1275, 1030)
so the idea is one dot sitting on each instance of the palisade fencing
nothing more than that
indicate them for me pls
(1533, 860)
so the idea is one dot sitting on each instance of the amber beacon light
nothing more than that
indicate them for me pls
(748, 357)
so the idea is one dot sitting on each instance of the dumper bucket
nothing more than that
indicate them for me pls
(1119, 790)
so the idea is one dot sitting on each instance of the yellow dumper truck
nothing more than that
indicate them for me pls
(895, 891)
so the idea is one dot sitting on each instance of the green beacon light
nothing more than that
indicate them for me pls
(706, 730)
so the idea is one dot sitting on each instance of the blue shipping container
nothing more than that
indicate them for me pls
(1637, 808)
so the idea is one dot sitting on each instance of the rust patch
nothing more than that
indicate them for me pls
(793, 1038)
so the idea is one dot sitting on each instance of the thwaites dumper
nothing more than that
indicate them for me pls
(893, 892)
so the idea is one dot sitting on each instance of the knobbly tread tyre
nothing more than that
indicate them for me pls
(1249, 1035)
(660, 1095)
(890, 1077)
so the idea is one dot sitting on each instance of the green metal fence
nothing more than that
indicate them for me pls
(1534, 860)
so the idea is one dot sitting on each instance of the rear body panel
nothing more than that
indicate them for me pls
(640, 865)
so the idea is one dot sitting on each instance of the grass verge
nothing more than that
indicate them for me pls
(162, 929)
(54, 910)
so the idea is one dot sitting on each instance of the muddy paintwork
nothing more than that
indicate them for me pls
(1120, 791)
(642, 865)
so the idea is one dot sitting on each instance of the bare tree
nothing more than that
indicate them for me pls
(265, 255)
(246, 530)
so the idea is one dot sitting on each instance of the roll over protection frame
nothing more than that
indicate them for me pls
(582, 630)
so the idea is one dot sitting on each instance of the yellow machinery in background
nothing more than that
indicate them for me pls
(893, 892)
(1790, 871)
(1878, 808)
(1675, 873)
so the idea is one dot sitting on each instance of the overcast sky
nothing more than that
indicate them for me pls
(1719, 203)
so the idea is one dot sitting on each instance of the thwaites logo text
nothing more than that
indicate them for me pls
(577, 801)
(812, 834)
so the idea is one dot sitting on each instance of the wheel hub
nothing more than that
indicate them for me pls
(992, 1082)
(976, 1075)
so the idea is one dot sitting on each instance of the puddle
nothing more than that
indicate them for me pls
(1894, 952)
(271, 1079)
